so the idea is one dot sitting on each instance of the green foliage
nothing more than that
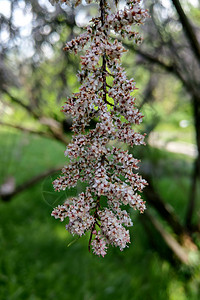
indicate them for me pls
(35, 260)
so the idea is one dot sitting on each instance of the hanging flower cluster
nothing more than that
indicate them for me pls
(105, 94)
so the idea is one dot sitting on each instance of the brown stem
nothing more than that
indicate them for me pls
(91, 234)
(109, 103)
(109, 86)
(104, 97)
(102, 10)
(104, 73)
(95, 222)
(110, 74)
(104, 78)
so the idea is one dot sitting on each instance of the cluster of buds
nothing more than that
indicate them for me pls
(107, 95)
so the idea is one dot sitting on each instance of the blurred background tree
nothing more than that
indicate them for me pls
(36, 76)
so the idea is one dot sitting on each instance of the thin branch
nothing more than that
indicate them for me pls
(153, 59)
(26, 129)
(179, 251)
(171, 68)
(189, 30)
(95, 222)
(164, 209)
(57, 134)
(19, 102)
(30, 182)
(52, 134)
(104, 71)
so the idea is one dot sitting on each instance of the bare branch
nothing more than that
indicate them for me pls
(29, 130)
(19, 102)
(151, 58)
(56, 132)
(164, 209)
(6, 196)
(189, 30)
(179, 251)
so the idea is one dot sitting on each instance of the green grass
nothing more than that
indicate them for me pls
(173, 134)
(35, 260)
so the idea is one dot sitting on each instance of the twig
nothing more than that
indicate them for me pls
(25, 129)
(30, 182)
(187, 27)
(164, 209)
(171, 242)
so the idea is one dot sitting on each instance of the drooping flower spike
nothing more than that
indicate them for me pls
(105, 94)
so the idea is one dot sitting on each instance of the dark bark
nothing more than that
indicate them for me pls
(196, 169)
(192, 197)
(196, 112)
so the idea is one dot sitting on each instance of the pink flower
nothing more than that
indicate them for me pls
(105, 94)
